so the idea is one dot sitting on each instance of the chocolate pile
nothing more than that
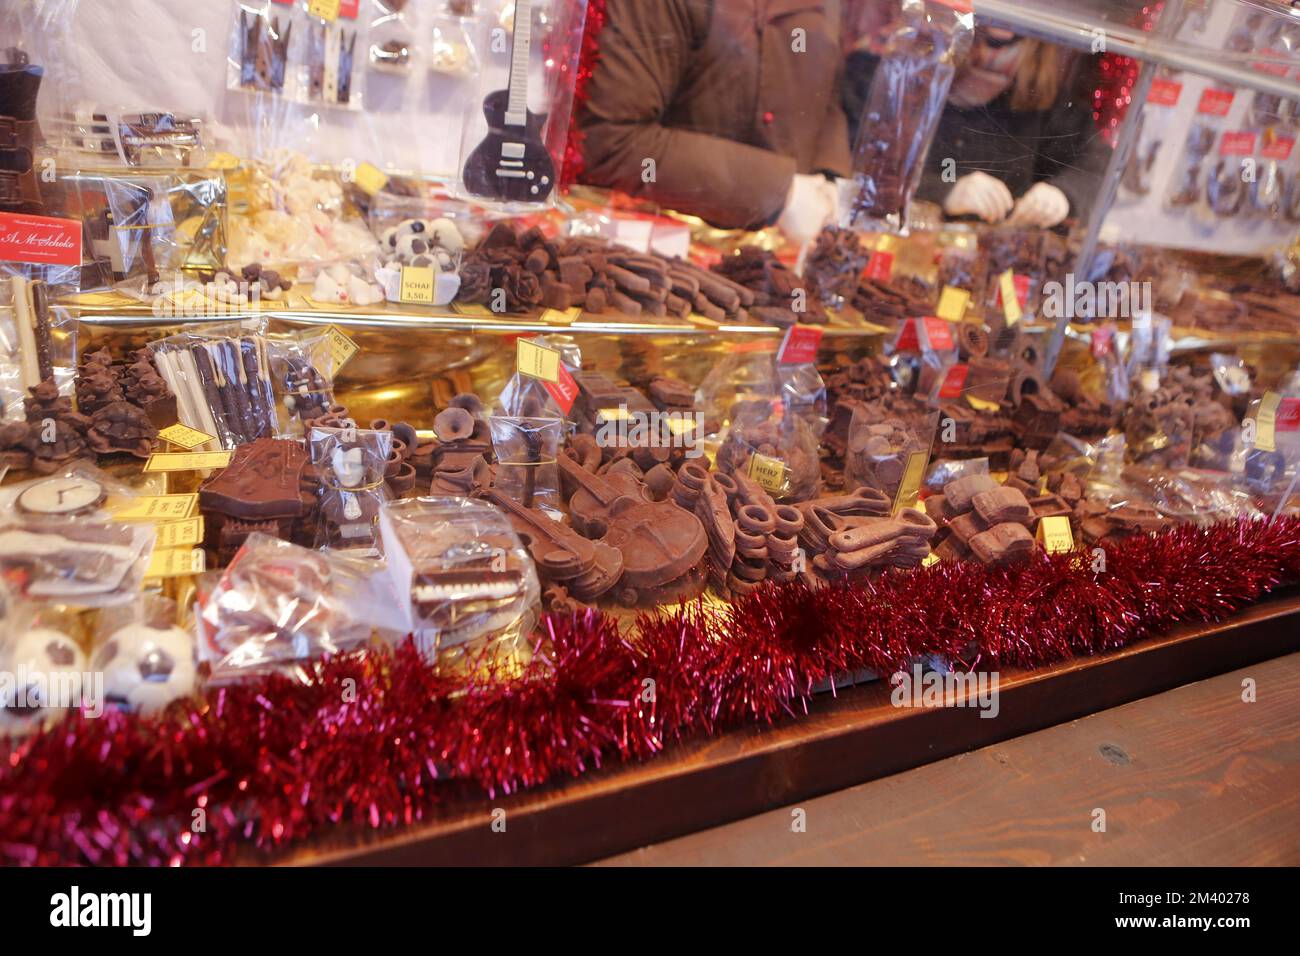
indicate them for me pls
(52, 434)
(982, 520)
(780, 297)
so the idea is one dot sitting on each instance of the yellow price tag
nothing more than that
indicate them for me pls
(417, 285)
(179, 534)
(327, 10)
(476, 310)
(562, 316)
(909, 489)
(982, 404)
(1055, 535)
(1266, 422)
(370, 179)
(537, 361)
(696, 319)
(1010, 298)
(187, 460)
(176, 562)
(156, 508)
(768, 472)
(620, 414)
(952, 303)
(929, 559)
(337, 348)
(186, 437)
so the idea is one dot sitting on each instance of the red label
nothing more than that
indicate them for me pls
(880, 266)
(1271, 67)
(908, 340)
(1288, 415)
(1102, 340)
(954, 380)
(565, 391)
(39, 240)
(1022, 291)
(938, 333)
(1237, 143)
(348, 9)
(1164, 93)
(1278, 148)
(1215, 102)
(800, 345)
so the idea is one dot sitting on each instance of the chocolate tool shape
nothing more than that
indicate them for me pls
(659, 541)
(559, 551)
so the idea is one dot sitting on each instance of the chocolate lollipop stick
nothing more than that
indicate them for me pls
(29, 362)
(39, 297)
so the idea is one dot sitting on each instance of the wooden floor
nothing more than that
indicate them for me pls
(1193, 776)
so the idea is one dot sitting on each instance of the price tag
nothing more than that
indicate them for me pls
(982, 404)
(620, 414)
(564, 390)
(176, 562)
(475, 310)
(337, 347)
(157, 508)
(938, 334)
(187, 460)
(417, 285)
(768, 472)
(799, 347)
(224, 161)
(1266, 422)
(929, 559)
(562, 316)
(327, 10)
(179, 534)
(537, 361)
(1010, 295)
(952, 303)
(1054, 534)
(954, 380)
(186, 437)
(370, 179)
(880, 266)
(909, 489)
(1103, 341)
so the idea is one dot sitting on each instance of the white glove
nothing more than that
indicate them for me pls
(809, 207)
(979, 194)
(1043, 206)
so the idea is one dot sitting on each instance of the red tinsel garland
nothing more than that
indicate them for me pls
(589, 54)
(377, 740)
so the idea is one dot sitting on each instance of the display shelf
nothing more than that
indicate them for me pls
(1088, 23)
(848, 739)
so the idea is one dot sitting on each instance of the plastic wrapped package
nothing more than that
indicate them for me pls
(1200, 169)
(38, 340)
(945, 471)
(222, 378)
(86, 561)
(526, 451)
(767, 419)
(146, 658)
(278, 607)
(515, 125)
(432, 241)
(525, 396)
(918, 61)
(888, 448)
(93, 135)
(302, 370)
(460, 568)
(352, 464)
(285, 49)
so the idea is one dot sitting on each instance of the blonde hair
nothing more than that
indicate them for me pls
(1038, 76)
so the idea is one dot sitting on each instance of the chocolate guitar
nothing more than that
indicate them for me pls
(512, 163)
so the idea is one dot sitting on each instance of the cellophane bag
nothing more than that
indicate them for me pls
(459, 568)
(352, 464)
(883, 442)
(277, 608)
(925, 43)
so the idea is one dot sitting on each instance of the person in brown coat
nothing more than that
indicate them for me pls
(726, 109)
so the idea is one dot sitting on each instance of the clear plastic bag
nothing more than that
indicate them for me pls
(459, 567)
(38, 340)
(526, 451)
(278, 607)
(883, 445)
(352, 464)
(74, 560)
(287, 50)
(902, 110)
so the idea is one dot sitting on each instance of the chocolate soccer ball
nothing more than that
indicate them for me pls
(42, 668)
(146, 668)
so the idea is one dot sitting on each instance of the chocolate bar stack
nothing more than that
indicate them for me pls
(269, 488)
(982, 520)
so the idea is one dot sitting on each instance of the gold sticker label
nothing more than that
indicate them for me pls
(1266, 422)
(562, 316)
(952, 303)
(176, 562)
(370, 179)
(620, 414)
(327, 10)
(179, 534)
(336, 348)
(909, 489)
(1010, 298)
(537, 361)
(1055, 535)
(187, 460)
(768, 472)
(417, 285)
(186, 437)
(157, 508)
(929, 559)
(982, 404)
